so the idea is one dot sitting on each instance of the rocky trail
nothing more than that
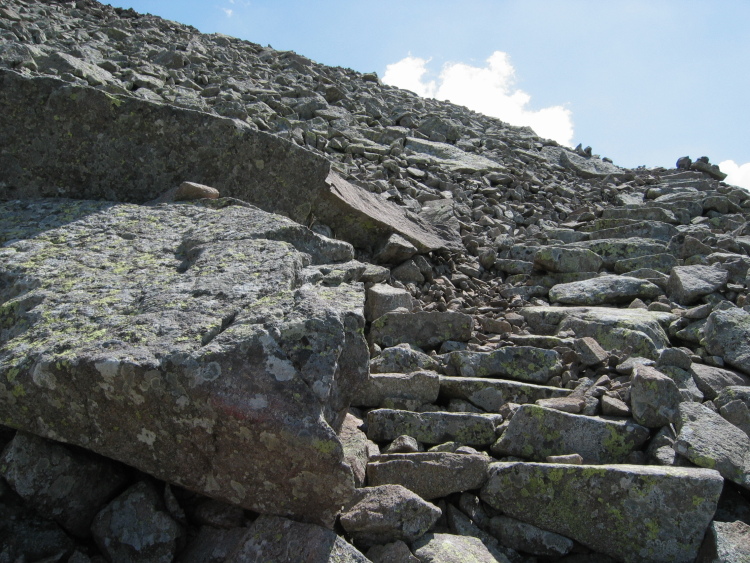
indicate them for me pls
(253, 308)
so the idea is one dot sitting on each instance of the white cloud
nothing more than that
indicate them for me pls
(228, 12)
(737, 175)
(487, 89)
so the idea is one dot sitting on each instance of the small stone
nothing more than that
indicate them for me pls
(573, 459)
(190, 190)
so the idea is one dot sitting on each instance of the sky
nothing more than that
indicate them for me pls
(642, 82)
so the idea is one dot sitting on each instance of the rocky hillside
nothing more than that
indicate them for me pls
(254, 308)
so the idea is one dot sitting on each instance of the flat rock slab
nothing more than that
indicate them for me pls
(563, 259)
(491, 394)
(524, 363)
(642, 331)
(597, 506)
(604, 290)
(727, 542)
(727, 334)
(536, 432)
(615, 249)
(687, 284)
(429, 474)
(426, 329)
(469, 429)
(449, 548)
(710, 380)
(177, 339)
(419, 386)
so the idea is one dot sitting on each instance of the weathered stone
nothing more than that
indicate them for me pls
(356, 448)
(612, 406)
(382, 299)
(596, 506)
(386, 514)
(384, 425)
(528, 538)
(524, 363)
(734, 405)
(429, 474)
(191, 190)
(179, 339)
(419, 386)
(272, 538)
(711, 379)
(447, 548)
(726, 542)
(727, 334)
(396, 552)
(491, 394)
(402, 358)
(62, 485)
(404, 445)
(425, 329)
(707, 440)
(604, 290)
(689, 283)
(659, 262)
(462, 525)
(563, 259)
(536, 432)
(565, 404)
(654, 398)
(614, 250)
(135, 527)
(212, 545)
(452, 158)
(590, 352)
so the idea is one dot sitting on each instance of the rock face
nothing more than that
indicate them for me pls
(580, 327)
(189, 348)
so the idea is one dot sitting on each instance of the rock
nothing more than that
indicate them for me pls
(429, 474)
(403, 445)
(654, 398)
(380, 389)
(356, 447)
(659, 262)
(726, 542)
(528, 538)
(384, 425)
(727, 334)
(536, 432)
(188, 350)
(565, 404)
(212, 545)
(616, 249)
(595, 505)
(396, 552)
(191, 190)
(523, 363)
(451, 157)
(272, 538)
(382, 299)
(424, 329)
(492, 394)
(604, 290)
(460, 525)
(590, 352)
(689, 283)
(612, 406)
(402, 358)
(711, 379)
(710, 169)
(563, 259)
(733, 403)
(135, 527)
(707, 440)
(447, 548)
(388, 513)
(408, 272)
(570, 459)
(65, 486)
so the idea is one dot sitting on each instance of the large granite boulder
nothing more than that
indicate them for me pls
(597, 505)
(179, 340)
(727, 334)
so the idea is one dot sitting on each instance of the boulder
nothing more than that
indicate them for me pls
(711, 379)
(563, 259)
(386, 514)
(726, 542)
(654, 397)
(429, 474)
(616, 249)
(687, 284)
(536, 432)
(176, 339)
(382, 298)
(727, 334)
(384, 425)
(356, 447)
(597, 505)
(425, 329)
(734, 405)
(604, 290)
(528, 538)
(491, 394)
(380, 389)
(402, 358)
(396, 552)
(212, 545)
(522, 363)
(448, 548)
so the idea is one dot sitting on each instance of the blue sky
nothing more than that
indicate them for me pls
(642, 82)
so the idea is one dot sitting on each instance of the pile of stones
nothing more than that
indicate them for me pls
(471, 344)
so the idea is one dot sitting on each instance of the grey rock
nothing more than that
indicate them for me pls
(166, 311)
(461, 525)
(380, 389)
(403, 445)
(447, 548)
(707, 440)
(614, 250)
(62, 485)
(383, 298)
(590, 352)
(612, 406)
(528, 538)
(272, 538)
(689, 283)
(733, 403)
(654, 398)
(135, 527)
(685, 383)
(396, 552)
(596, 505)
(522, 363)
(384, 425)
(566, 404)
(451, 157)
(492, 394)
(212, 545)
(711, 379)
(536, 432)
(660, 262)
(429, 474)
(356, 447)
(388, 513)
(604, 290)
(726, 542)
(727, 334)
(674, 357)
(402, 359)
(425, 329)
(563, 259)
(408, 272)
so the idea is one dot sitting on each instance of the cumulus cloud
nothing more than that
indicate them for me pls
(488, 89)
(737, 174)
(228, 12)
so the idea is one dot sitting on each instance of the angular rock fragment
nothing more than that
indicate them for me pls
(597, 505)
(734, 405)
(356, 447)
(419, 386)
(491, 394)
(447, 548)
(726, 542)
(425, 329)
(388, 513)
(536, 432)
(429, 474)
(654, 398)
(523, 363)
(528, 538)
(384, 425)
(711, 379)
(396, 552)
(382, 299)
(563, 259)
(688, 283)
(402, 359)
(212, 545)
(727, 334)
(604, 290)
